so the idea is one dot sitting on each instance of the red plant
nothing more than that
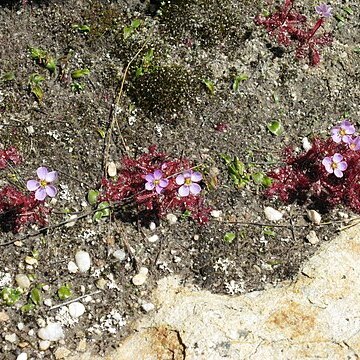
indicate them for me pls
(10, 154)
(290, 27)
(305, 178)
(131, 184)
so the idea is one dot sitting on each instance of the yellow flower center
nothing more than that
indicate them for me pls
(334, 165)
(43, 183)
(188, 181)
(156, 182)
(342, 132)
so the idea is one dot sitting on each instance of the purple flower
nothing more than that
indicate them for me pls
(188, 180)
(43, 187)
(324, 10)
(155, 181)
(334, 164)
(341, 132)
(354, 143)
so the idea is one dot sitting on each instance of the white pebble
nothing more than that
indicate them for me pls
(48, 302)
(20, 326)
(152, 226)
(140, 278)
(112, 169)
(76, 309)
(22, 356)
(272, 214)
(171, 219)
(153, 238)
(119, 254)
(215, 213)
(44, 345)
(148, 307)
(72, 267)
(51, 332)
(22, 281)
(306, 144)
(314, 217)
(312, 238)
(11, 337)
(83, 261)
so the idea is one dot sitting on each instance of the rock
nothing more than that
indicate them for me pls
(11, 337)
(4, 316)
(148, 307)
(314, 217)
(51, 332)
(62, 353)
(76, 309)
(272, 214)
(48, 302)
(141, 277)
(119, 254)
(83, 261)
(81, 346)
(111, 169)
(171, 219)
(306, 144)
(72, 267)
(153, 238)
(215, 213)
(44, 345)
(152, 226)
(312, 238)
(31, 260)
(20, 326)
(22, 356)
(101, 283)
(22, 281)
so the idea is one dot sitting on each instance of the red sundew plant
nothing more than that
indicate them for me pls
(9, 155)
(290, 28)
(327, 174)
(158, 185)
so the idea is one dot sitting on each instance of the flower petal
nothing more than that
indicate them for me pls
(159, 189)
(195, 189)
(187, 174)
(32, 185)
(342, 166)
(51, 190)
(149, 178)
(149, 185)
(158, 174)
(338, 173)
(196, 176)
(337, 157)
(42, 172)
(180, 179)
(51, 176)
(327, 162)
(164, 183)
(336, 137)
(184, 190)
(40, 194)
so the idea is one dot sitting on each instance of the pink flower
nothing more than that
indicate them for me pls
(188, 180)
(342, 132)
(324, 10)
(354, 144)
(334, 164)
(43, 187)
(155, 181)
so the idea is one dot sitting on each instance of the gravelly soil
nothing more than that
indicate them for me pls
(169, 105)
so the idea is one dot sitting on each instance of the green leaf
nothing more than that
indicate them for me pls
(229, 237)
(38, 92)
(210, 86)
(101, 132)
(186, 214)
(340, 18)
(37, 54)
(135, 23)
(226, 158)
(267, 181)
(35, 296)
(64, 292)
(348, 10)
(267, 231)
(77, 87)
(27, 307)
(127, 31)
(92, 197)
(36, 79)
(356, 50)
(10, 295)
(238, 79)
(258, 178)
(51, 64)
(8, 76)
(275, 128)
(81, 28)
(80, 73)
(104, 206)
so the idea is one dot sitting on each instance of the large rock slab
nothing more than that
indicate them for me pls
(317, 316)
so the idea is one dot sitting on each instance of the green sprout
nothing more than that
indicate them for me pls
(129, 30)
(64, 292)
(92, 197)
(77, 87)
(81, 28)
(35, 81)
(42, 58)
(275, 128)
(238, 79)
(8, 76)
(236, 170)
(229, 237)
(209, 85)
(10, 295)
(103, 210)
(146, 63)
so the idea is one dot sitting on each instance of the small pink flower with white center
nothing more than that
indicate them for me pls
(335, 164)
(44, 186)
(188, 181)
(156, 181)
(343, 132)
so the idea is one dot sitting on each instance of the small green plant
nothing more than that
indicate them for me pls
(146, 64)
(275, 128)
(35, 81)
(79, 73)
(103, 211)
(229, 237)
(269, 232)
(209, 85)
(42, 58)
(10, 295)
(238, 79)
(34, 299)
(64, 292)
(129, 30)
(8, 76)
(81, 28)
(236, 170)
(77, 87)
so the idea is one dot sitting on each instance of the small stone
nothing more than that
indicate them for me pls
(51, 332)
(215, 213)
(76, 309)
(83, 261)
(152, 226)
(81, 346)
(314, 217)
(22, 356)
(112, 169)
(22, 281)
(343, 215)
(120, 255)
(101, 283)
(312, 238)
(11, 337)
(176, 259)
(196, 237)
(153, 238)
(171, 219)
(30, 260)
(72, 267)
(62, 353)
(20, 326)
(141, 277)
(46, 287)
(272, 214)
(18, 243)
(31, 332)
(148, 307)
(71, 221)
(4, 316)
(44, 345)
(306, 144)
(48, 302)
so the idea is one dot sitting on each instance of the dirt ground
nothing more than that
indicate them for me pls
(165, 102)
